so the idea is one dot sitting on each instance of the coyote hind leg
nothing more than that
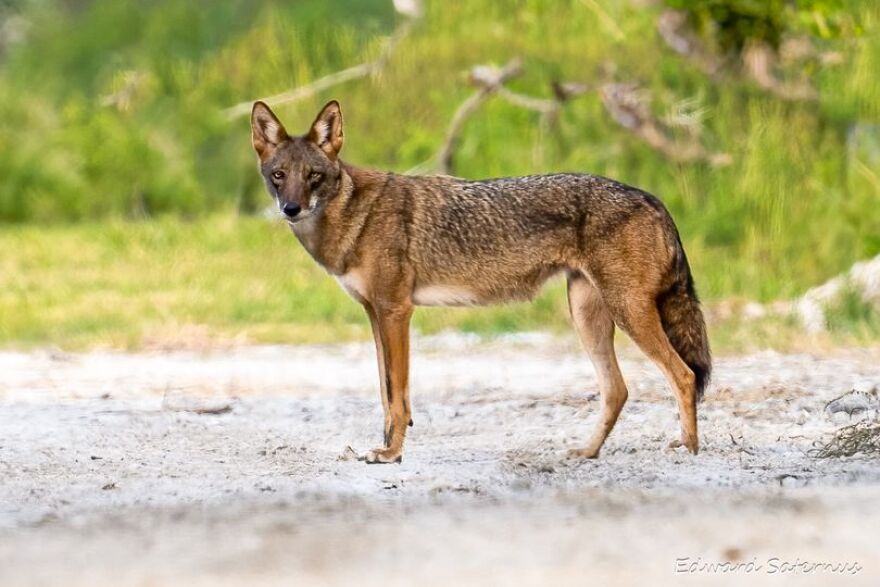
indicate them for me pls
(641, 321)
(595, 328)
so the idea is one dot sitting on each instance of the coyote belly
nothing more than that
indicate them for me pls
(447, 295)
(394, 242)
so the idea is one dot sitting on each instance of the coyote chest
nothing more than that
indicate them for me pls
(354, 284)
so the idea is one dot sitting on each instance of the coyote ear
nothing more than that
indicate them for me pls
(267, 132)
(326, 131)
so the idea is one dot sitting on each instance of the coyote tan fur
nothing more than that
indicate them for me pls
(397, 241)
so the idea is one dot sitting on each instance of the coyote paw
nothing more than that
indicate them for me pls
(383, 456)
(583, 453)
(689, 443)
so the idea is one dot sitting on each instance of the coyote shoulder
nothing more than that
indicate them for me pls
(397, 241)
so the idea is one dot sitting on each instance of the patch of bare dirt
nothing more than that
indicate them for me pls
(234, 467)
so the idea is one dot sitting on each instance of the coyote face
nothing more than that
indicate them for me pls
(397, 241)
(301, 173)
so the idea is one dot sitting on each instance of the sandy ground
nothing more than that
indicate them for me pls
(111, 472)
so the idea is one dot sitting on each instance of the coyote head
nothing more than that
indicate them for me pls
(301, 172)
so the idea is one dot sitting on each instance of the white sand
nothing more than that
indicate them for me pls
(108, 477)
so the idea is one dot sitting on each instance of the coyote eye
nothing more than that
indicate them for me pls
(315, 177)
(279, 175)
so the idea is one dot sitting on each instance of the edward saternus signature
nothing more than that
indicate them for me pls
(768, 566)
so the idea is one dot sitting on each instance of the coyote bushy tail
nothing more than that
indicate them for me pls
(683, 322)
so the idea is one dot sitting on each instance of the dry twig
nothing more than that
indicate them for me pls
(862, 437)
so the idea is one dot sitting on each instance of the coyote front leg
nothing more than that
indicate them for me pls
(383, 377)
(392, 324)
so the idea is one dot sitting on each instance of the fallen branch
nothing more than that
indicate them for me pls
(860, 438)
(627, 107)
(178, 400)
(542, 105)
(328, 81)
(489, 80)
(562, 92)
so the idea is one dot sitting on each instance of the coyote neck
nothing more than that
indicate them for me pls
(331, 237)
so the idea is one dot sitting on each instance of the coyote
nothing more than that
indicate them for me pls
(397, 241)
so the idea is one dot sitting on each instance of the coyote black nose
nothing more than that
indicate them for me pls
(291, 209)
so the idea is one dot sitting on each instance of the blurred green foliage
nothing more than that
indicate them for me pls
(732, 24)
(114, 110)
